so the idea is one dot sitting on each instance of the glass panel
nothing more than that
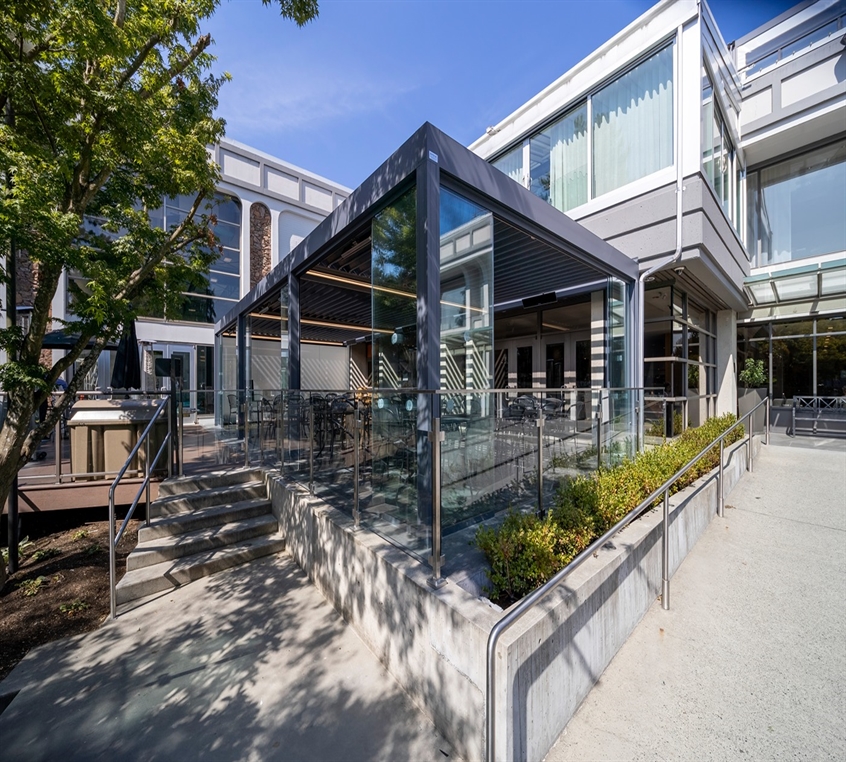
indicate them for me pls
(795, 328)
(831, 362)
(396, 508)
(833, 282)
(831, 325)
(633, 124)
(559, 161)
(664, 339)
(205, 380)
(800, 208)
(228, 235)
(466, 266)
(763, 293)
(792, 368)
(657, 303)
(200, 309)
(798, 287)
(616, 334)
(524, 367)
(512, 164)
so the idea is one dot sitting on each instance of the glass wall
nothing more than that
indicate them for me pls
(394, 509)
(466, 268)
(718, 154)
(633, 124)
(795, 207)
(680, 357)
(803, 357)
(631, 133)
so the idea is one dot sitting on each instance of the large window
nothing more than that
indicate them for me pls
(795, 207)
(208, 297)
(628, 123)
(803, 357)
(718, 154)
(680, 353)
(633, 124)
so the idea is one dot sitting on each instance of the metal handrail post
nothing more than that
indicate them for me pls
(540, 459)
(311, 445)
(767, 430)
(357, 470)
(665, 554)
(599, 433)
(246, 413)
(793, 419)
(57, 435)
(436, 436)
(749, 457)
(112, 559)
(147, 476)
(170, 453)
(180, 443)
(721, 495)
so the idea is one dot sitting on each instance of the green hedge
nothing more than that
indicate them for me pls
(526, 550)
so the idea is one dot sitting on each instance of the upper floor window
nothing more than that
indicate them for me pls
(718, 153)
(619, 134)
(795, 207)
(208, 297)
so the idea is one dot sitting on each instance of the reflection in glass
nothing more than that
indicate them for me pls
(797, 211)
(559, 161)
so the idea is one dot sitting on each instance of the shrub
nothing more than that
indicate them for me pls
(44, 554)
(525, 551)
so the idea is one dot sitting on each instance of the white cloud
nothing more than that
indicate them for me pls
(290, 98)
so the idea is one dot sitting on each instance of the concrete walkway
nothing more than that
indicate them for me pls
(250, 664)
(750, 662)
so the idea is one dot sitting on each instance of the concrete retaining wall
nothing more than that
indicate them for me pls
(433, 642)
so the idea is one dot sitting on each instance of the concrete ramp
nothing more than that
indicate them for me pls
(249, 664)
(750, 661)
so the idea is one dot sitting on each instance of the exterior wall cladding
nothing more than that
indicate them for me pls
(774, 94)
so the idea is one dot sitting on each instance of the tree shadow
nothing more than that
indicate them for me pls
(248, 664)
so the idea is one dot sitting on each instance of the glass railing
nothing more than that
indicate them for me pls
(369, 453)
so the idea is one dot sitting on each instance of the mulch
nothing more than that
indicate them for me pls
(61, 587)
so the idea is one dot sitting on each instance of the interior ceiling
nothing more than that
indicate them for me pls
(349, 304)
(550, 270)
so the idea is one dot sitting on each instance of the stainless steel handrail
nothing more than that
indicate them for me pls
(531, 600)
(114, 538)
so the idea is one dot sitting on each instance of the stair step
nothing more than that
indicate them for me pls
(191, 543)
(183, 523)
(207, 498)
(214, 479)
(169, 574)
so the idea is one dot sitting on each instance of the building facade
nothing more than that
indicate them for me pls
(264, 208)
(695, 158)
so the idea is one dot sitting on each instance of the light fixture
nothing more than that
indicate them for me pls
(678, 270)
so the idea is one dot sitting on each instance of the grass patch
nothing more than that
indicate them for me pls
(526, 550)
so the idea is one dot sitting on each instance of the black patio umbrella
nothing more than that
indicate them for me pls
(127, 370)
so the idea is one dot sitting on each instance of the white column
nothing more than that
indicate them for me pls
(245, 246)
(726, 362)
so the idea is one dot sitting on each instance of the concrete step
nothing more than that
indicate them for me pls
(169, 574)
(189, 484)
(204, 517)
(207, 498)
(191, 543)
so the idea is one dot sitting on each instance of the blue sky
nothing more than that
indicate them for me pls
(338, 96)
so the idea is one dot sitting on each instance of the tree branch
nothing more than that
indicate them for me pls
(174, 71)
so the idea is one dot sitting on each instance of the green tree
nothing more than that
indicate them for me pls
(108, 107)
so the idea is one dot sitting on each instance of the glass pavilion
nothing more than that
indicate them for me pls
(439, 295)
